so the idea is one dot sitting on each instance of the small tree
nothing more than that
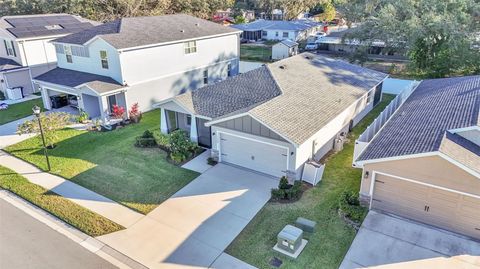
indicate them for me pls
(118, 112)
(50, 123)
(134, 113)
(240, 19)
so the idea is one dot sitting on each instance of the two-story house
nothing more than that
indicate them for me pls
(25, 51)
(139, 60)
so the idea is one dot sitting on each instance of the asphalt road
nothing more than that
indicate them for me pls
(26, 243)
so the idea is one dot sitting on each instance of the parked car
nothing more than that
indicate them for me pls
(311, 46)
(320, 34)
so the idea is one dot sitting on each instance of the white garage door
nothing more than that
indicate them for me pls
(263, 157)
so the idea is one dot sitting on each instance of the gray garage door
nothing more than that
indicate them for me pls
(445, 209)
(265, 158)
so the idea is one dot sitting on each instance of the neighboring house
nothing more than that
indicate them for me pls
(224, 21)
(284, 49)
(275, 15)
(336, 41)
(25, 51)
(139, 60)
(424, 163)
(275, 118)
(295, 30)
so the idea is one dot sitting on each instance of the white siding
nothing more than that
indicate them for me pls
(92, 64)
(151, 92)
(141, 65)
(324, 137)
(38, 52)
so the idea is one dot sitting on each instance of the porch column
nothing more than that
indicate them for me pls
(46, 99)
(163, 121)
(193, 130)
(103, 103)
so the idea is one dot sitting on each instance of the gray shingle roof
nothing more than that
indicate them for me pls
(293, 25)
(231, 95)
(420, 124)
(141, 31)
(28, 26)
(8, 64)
(73, 79)
(295, 97)
(315, 89)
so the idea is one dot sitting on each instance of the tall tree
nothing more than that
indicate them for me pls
(438, 35)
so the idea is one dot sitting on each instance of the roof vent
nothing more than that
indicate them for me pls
(182, 31)
(197, 24)
(282, 67)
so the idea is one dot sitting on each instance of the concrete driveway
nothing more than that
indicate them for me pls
(389, 242)
(194, 226)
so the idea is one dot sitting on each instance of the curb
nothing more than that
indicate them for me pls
(90, 243)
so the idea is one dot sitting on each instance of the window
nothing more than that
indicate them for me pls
(112, 100)
(189, 120)
(190, 47)
(285, 34)
(264, 33)
(276, 33)
(68, 54)
(205, 77)
(229, 70)
(172, 123)
(104, 59)
(10, 48)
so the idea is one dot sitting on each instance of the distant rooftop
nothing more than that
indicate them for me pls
(142, 31)
(31, 26)
(293, 25)
(423, 122)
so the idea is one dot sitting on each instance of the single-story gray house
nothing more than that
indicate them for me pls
(275, 118)
(284, 49)
(278, 30)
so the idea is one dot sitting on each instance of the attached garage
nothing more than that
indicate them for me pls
(441, 207)
(261, 156)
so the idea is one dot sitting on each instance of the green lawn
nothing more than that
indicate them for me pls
(327, 247)
(109, 164)
(18, 111)
(255, 53)
(70, 212)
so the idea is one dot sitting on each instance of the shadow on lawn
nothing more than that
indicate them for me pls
(110, 165)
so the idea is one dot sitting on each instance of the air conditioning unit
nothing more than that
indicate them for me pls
(338, 143)
(14, 93)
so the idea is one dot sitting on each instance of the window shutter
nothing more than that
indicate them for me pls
(6, 48)
(13, 48)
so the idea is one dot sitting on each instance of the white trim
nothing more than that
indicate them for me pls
(426, 184)
(254, 140)
(420, 155)
(469, 128)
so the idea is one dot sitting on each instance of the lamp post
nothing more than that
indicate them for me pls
(36, 112)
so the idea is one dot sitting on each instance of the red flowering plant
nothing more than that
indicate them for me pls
(134, 113)
(118, 112)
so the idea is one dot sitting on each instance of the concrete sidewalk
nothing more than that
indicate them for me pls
(8, 135)
(76, 193)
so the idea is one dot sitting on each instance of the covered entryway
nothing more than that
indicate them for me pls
(257, 155)
(447, 209)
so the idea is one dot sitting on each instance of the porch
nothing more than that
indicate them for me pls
(96, 106)
(171, 120)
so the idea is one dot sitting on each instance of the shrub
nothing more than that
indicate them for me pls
(135, 114)
(283, 184)
(146, 140)
(118, 112)
(349, 204)
(83, 116)
(277, 194)
(180, 143)
(294, 192)
(177, 157)
(163, 140)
